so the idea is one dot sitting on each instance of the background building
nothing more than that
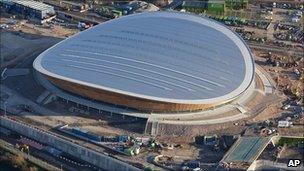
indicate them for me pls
(74, 6)
(204, 6)
(213, 6)
(30, 9)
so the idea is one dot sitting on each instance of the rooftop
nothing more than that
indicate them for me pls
(32, 4)
(163, 56)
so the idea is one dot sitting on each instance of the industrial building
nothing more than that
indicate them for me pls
(33, 10)
(213, 6)
(151, 63)
(74, 6)
(204, 6)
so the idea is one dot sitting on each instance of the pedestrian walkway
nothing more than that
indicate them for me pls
(14, 72)
(246, 149)
(268, 86)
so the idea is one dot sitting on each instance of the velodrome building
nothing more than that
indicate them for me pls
(153, 62)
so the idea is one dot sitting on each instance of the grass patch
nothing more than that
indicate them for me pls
(291, 141)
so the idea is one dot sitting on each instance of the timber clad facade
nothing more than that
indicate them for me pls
(125, 100)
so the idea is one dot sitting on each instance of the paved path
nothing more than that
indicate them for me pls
(16, 99)
(43, 97)
(14, 72)
(246, 149)
(267, 81)
(206, 121)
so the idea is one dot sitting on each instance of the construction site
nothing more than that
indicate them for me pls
(66, 131)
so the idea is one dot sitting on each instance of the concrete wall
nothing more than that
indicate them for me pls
(98, 159)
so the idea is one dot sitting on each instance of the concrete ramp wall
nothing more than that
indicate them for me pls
(98, 159)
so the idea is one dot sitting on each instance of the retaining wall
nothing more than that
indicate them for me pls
(98, 159)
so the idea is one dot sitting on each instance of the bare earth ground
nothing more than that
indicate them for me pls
(290, 153)
(16, 46)
(25, 26)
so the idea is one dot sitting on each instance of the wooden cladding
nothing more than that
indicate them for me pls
(125, 100)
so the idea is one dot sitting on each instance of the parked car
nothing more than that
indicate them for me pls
(285, 107)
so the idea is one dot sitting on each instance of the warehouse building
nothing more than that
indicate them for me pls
(33, 10)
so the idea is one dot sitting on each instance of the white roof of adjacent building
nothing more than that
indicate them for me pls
(164, 56)
(33, 4)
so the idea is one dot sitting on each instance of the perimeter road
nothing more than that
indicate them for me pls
(275, 49)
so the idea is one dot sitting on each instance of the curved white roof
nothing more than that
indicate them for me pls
(164, 56)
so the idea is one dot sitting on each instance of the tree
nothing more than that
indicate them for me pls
(33, 168)
(18, 160)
